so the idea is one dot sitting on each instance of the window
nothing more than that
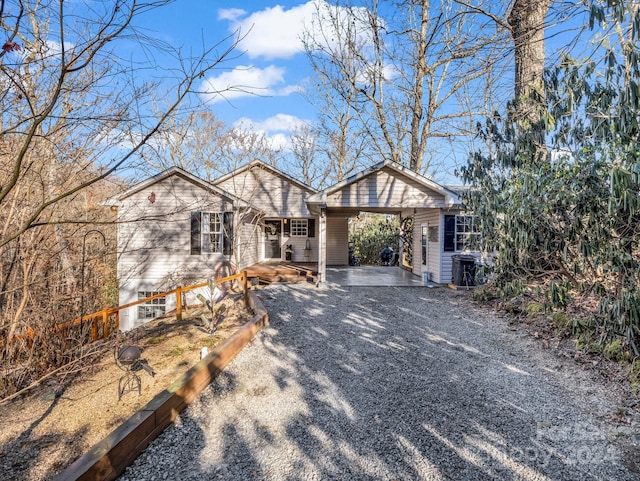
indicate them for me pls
(460, 232)
(211, 232)
(299, 228)
(152, 308)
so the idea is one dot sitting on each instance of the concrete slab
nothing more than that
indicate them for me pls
(376, 276)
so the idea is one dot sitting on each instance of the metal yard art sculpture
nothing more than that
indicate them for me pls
(215, 316)
(128, 359)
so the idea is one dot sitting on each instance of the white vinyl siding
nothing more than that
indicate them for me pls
(275, 195)
(247, 243)
(154, 239)
(277, 198)
(385, 189)
(337, 241)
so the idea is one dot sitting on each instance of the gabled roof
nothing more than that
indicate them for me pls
(177, 171)
(263, 165)
(451, 197)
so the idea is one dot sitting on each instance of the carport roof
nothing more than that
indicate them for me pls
(450, 197)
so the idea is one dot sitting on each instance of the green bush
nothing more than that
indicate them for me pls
(614, 351)
(371, 233)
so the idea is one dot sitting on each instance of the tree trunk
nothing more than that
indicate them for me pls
(526, 21)
(417, 145)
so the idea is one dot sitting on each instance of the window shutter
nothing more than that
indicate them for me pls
(287, 227)
(311, 228)
(196, 233)
(449, 233)
(227, 240)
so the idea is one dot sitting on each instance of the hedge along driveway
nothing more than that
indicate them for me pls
(403, 383)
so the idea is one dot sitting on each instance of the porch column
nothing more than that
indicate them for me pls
(322, 247)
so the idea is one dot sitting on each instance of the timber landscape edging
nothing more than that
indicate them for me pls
(108, 459)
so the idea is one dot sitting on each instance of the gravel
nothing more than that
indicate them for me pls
(402, 383)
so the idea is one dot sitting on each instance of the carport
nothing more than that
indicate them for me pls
(387, 188)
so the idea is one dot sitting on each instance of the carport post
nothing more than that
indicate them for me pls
(322, 245)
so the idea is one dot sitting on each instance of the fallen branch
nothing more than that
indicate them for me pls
(48, 375)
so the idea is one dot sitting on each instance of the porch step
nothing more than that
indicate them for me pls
(283, 272)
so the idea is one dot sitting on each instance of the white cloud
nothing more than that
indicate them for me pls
(246, 80)
(276, 123)
(276, 129)
(54, 49)
(279, 142)
(290, 89)
(274, 32)
(230, 13)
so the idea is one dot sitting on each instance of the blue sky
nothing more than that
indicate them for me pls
(270, 63)
(272, 66)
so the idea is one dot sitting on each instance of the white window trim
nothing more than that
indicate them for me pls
(304, 227)
(466, 236)
(205, 239)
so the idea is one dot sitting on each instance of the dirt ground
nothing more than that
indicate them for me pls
(46, 429)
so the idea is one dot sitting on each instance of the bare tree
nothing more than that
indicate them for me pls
(76, 108)
(65, 77)
(401, 74)
(205, 146)
(330, 44)
(305, 163)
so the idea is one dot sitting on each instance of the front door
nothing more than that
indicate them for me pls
(272, 247)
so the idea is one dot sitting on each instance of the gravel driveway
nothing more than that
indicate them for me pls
(392, 384)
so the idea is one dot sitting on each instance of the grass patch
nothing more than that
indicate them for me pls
(154, 341)
(535, 308)
(587, 344)
(211, 341)
(178, 351)
(562, 321)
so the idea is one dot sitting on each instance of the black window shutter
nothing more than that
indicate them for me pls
(449, 233)
(287, 227)
(196, 233)
(227, 241)
(311, 228)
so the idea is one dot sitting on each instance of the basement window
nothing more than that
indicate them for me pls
(152, 308)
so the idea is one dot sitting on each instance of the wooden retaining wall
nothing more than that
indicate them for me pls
(108, 459)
